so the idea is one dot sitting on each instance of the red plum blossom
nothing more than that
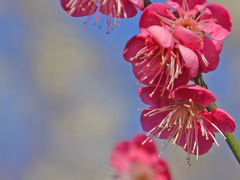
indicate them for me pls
(134, 161)
(194, 24)
(184, 118)
(157, 60)
(113, 10)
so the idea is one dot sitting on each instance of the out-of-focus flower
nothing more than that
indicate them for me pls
(190, 25)
(184, 118)
(112, 10)
(134, 161)
(157, 60)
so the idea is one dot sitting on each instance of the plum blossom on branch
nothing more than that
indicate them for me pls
(112, 10)
(191, 24)
(184, 118)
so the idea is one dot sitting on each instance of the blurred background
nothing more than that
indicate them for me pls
(67, 96)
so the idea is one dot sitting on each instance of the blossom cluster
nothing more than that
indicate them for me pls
(112, 10)
(178, 41)
(174, 46)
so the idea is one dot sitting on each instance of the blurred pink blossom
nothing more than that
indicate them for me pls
(134, 161)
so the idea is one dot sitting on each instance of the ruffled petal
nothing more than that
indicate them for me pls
(209, 56)
(126, 9)
(150, 122)
(135, 53)
(149, 147)
(164, 174)
(119, 156)
(138, 3)
(153, 15)
(135, 44)
(190, 59)
(133, 48)
(161, 36)
(203, 145)
(191, 5)
(220, 28)
(197, 93)
(144, 76)
(157, 99)
(221, 119)
(187, 37)
(183, 78)
(218, 45)
(79, 8)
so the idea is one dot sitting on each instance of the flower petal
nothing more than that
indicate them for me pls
(209, 56)
(154, 14)
(133, 46)
(125, 8)
(74, 9)
(134, 52)
(183, 78)
(203, 145)
(157, 99)
(161, 35)
(190, 59)
(138, 3)
(221, 119)
(132, 159)
(197, 93)
(150, 122)
(149, 147)
(164, 174)
(190, 4)
(145, 76)
(187, 37)
(218, 45)
(220, 28)
(119, 156)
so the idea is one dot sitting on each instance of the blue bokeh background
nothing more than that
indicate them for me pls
(67, 96)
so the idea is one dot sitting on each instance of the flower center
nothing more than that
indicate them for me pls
(192, 23)
(142, 177)
(183, 122)
(158, 66)
(140, 171)
(188, 23)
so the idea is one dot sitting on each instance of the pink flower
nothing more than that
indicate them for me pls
(134, 161)
(184, 118)
(157, 60)
(190, 24)
(112, 10)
